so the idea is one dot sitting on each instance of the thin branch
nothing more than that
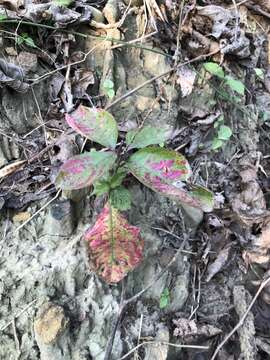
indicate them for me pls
(18, 315)
(164, 343)
(37, 212)
(167, 72)
(241, 321)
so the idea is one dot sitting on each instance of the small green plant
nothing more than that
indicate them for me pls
(115, 246)
(259, 73)
(223, 133)
(108, 88)
(64, 3)
(24, 38)
(164, 298)
(216, 70)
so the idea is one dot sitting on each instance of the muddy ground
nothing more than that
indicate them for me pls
(53, 306)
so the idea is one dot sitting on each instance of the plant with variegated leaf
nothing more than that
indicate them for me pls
(115, 246)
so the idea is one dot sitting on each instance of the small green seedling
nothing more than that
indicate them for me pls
(115, 246)
(64, 3)
(235, 85)
(259, 73)
(223, 133)
(108, 88)
(24, 38)
(164, 299)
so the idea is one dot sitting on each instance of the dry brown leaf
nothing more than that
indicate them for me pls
(12, 4)
(186, 78)
(9, 169)
(21, 216)
(186, 328)
(218, 264)
(260, 252)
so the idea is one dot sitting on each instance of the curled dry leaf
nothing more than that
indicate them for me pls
(60, 16)
(81, 80)
(186, 328)
(218, 264)
(96, 124)
(84, 169)
(186, 79)
(12, 75)
(12, 4)
(250, 205)
(260, 252)
(115, 246)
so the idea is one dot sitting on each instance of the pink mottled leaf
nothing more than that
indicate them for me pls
(164, 171)
(96, 124)
(84, 169)
(115, 246)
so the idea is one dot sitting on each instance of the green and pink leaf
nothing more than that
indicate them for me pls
(97, 125)
(115, 246)
(84, 169)
(164, 171)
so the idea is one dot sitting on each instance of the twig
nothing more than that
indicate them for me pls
(241, 321)
(167, 72)
(17, 343)
(37, 212)
(163, 343)
(18, 315)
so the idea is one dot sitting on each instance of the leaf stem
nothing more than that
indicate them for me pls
(111, 231)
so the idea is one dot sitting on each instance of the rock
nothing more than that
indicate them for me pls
(60, 220)
(96, 14)
(134, 2)
(158, 351)
(18, 110)
(50, 323)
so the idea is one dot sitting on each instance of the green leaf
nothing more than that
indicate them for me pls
(110, 93)
(120, 198)
(148, 135)
(224, 132)
(63, 2)
(19, 40)
(95, 124)
(214, 69)
(108, 84)
(3, 17)
(108, 87)
(115, 246)
(219, 121)
(164, 298)
(84, 169)
(235, 85)
(259, 72)
(101, 187)
(217, 143)
(116, 179)
(205, 197)
(30, 42)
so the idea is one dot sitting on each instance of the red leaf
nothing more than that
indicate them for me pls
(96, 124)
(115, 246)
(84, 169)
